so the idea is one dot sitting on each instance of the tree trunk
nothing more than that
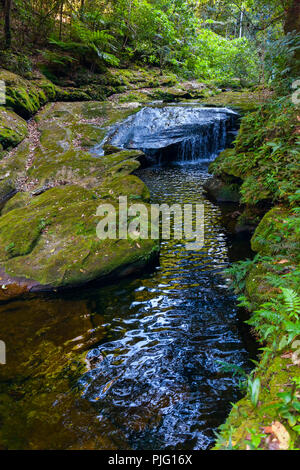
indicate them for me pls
(7, 25)
(292, 22)
(61, 19)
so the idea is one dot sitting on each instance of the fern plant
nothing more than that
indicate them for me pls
(278, 321)
(98, 43)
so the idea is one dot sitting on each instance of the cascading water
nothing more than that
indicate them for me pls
(180, 133)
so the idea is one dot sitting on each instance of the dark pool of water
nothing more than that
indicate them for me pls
(153, 346)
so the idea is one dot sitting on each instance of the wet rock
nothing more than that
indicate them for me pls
(222, 192)
(187, 132)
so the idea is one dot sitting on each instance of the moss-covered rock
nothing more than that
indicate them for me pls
(278, 232)
(16, 202)
(47, 87)
(125, 185)
(7, 190)
(22, 95)
(247, 422)
(13, 129)
(71, 94)
(54, 242)
(221, 191)
(243, 101)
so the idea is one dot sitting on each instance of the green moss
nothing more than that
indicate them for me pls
(278, 232)
(130, 186)
(47, 87)
(23, 96)
(13, 129)
(16, 202)
(242, 101)
(68, 252)
(71, 94)
(245, 418)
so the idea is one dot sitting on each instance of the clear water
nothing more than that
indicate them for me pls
(153, 344)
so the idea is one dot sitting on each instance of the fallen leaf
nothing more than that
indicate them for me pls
(268, 429)
(287, 355)
(281, 435)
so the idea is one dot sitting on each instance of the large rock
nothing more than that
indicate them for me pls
(53, 243)
(48, 236)
(22, 95)
(13, 129)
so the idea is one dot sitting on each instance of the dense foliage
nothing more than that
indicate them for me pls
(205, 39)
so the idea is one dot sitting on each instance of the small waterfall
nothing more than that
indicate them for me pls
(205, 145)
(175, 133)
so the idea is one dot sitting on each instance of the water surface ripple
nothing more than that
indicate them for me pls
(157, 380)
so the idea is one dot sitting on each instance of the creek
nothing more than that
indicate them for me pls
(155, 343)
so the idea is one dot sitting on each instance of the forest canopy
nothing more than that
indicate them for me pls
(203, 39)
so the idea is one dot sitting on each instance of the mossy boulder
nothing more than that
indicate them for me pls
(278, 232)
(22, 95)
(126, 185)
(48, 229)
(54, 242)
(244, 101)
(71, 94)
(13, 129)
(47, 87)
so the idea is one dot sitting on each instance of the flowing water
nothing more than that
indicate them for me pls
(184, 133)
(153, 346)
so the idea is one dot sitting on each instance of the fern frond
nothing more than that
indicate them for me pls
(291, 301)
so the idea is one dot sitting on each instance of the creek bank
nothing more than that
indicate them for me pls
(261, 171)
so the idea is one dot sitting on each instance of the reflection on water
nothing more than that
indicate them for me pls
(129, 366)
